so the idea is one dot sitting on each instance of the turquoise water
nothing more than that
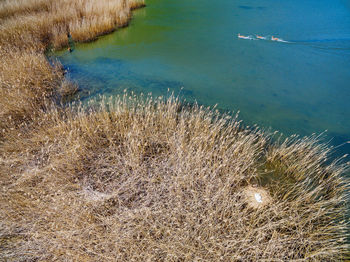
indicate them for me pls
(191, 47)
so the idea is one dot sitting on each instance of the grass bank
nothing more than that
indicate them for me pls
(27, 29)
(146, 179)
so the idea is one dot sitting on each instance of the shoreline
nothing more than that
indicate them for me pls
(142, 178)
(25, 39)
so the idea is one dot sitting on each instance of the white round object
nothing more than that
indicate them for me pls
(258, 197)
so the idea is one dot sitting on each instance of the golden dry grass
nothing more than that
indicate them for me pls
(27, 28)
(26, 23)
(136, 180)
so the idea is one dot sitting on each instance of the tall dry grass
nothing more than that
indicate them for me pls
(28, 23)
(143, 179)
(136, 180)
(27, 28)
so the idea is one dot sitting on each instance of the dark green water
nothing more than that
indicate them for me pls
(301, 87)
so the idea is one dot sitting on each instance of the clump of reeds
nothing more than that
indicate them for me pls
(27, 28)
(50, 21)
(151, 180)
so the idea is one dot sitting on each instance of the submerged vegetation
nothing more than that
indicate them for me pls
(141, 179)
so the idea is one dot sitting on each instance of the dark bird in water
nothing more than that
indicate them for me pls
(71, 44)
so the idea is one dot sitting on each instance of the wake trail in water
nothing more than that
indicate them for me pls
(326, 40)
(266, 38)
(324, 44)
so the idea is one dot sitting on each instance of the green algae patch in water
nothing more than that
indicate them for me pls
(298, 86)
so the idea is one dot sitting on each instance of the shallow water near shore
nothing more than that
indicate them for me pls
(301, 86)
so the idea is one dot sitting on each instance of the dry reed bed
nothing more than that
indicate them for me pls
(136, 180)
(27, 29)
(141, 179)
(49, 21)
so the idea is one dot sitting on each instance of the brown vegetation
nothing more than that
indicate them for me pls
(149, 181)
(137, 179)
(31, 23)
(27, 29)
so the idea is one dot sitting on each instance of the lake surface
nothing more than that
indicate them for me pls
(191, 47)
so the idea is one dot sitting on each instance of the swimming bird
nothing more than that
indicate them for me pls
(278, 40)
(243, 37)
